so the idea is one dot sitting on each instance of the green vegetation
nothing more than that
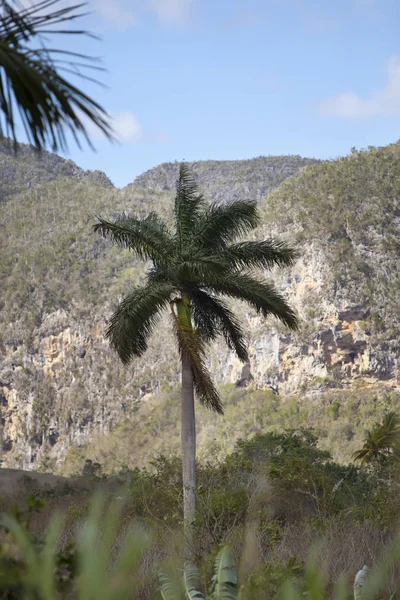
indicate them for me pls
(224, 585)
(279, 511)
(57, 279)
(348, 208)
(339, 417)
(26, 169)
(286, 509)
(382, 441)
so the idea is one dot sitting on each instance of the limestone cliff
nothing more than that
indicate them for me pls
(61, 386)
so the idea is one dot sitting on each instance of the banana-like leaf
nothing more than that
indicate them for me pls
(169, 589)
(224, 582)
(191, 583)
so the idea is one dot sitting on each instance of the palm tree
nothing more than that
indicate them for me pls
(381, 441)
(374, 447)
(31, 82)
(193, 265)
(391, 430)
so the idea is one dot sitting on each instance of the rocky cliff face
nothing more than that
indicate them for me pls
(62, 386)
(28, 169)
(226, 180)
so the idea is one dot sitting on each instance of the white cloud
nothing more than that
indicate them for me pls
(125, 125)
(171, 12)
(382, 102)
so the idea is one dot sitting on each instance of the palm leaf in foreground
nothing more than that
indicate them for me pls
(224, 585)
(224, 581)
(31, 79)
(191, 583)
(109, 573)
(169, 588)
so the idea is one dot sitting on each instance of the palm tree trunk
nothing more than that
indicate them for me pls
(188, 440)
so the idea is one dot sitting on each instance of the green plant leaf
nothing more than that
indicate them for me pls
(30, 81)
(169, 589)
(191, 583)
(224, 581)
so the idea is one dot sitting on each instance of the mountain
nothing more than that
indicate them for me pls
(65, 396)
(226, 180)
(27, 169)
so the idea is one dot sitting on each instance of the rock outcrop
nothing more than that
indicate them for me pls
(61, 384)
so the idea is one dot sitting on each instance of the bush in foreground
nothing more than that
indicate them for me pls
(276, 501)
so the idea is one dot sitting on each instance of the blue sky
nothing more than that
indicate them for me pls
(233, 79)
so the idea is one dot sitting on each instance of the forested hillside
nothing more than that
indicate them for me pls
(64, 394)
(27, 169)
(227, 180)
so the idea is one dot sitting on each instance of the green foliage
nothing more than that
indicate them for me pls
(153, 428)
(56, 279)
(382, 441)
(43, 572)
(224, 581)
(291, 515)
(223, 585)
(347, 207)
(309, 482)
(269, 580)
(113, 571)
(334, 410)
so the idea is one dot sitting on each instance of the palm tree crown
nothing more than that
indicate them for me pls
(381, 441)
(192, 267)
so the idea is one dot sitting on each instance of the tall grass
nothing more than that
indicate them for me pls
(117, 558)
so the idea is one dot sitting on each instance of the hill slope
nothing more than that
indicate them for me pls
(64, 393)
(28, 169)
(226, 180)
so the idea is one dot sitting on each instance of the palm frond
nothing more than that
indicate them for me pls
(148, 238)
(364, 455)
(198, 263)
(390, 429)
(375, 446)
(206, 390)
(191, 583)
(258, 293)
(391, 421)
(169, 588)
(31, 84)
(212, 316)
(132, 323)
(195, 267)
(188, 205)
(223, 223)
(192, 344)
(264, 255)
(224, 582)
